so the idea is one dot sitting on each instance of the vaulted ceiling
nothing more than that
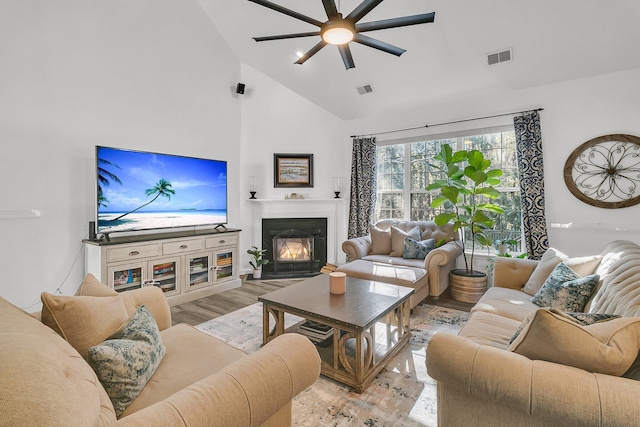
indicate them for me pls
(551, 41)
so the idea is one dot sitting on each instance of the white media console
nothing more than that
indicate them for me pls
(185, 265)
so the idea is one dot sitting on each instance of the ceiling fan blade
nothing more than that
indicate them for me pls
(363, 8)
(377, 44)
(396, 22)
(330, 8)
(286, 11)
(345, 52)
(312, 52)
(286, 36)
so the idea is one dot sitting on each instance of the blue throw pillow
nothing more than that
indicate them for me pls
(565, 290)
(126, 362)
(414, 249)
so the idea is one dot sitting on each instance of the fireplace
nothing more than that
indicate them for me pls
(296, 247)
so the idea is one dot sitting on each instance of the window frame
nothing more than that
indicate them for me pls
(460, 136)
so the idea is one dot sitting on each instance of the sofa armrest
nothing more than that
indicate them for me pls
(153, 298)
(245, 393)
(438, 263)
(535, 389)
(512, 273)
(357, 247)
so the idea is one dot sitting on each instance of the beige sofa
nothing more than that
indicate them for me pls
(201, 381)
(481, 383)
(383, 261)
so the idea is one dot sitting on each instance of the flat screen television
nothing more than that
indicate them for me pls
(139, 190)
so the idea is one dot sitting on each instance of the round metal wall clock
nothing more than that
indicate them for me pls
(605, 171)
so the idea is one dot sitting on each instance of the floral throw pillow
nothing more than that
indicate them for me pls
(414, 249)
(565, 290)
(125, 363)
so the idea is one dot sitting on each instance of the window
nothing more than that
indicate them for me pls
(403, 173)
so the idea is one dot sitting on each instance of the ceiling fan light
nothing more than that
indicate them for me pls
(337, 35)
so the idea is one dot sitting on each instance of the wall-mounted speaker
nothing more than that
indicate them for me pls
(240, 88)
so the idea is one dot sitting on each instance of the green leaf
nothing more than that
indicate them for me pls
(491, 208)
(477, 176)
(444, 218)
(438, 201)
(488, 191)
(450, 193)
(475, 159)
(459, 156)
(494, 173)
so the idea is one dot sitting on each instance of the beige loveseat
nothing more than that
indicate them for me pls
(201, 381)
(481, 383)
(379, 256)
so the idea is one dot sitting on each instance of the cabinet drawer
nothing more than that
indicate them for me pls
(223, 240)
(131, 252)
(182, 246)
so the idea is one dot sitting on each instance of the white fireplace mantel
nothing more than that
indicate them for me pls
(332, 209)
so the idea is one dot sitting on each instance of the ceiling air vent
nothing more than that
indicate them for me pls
(365, 89)
(498, 57)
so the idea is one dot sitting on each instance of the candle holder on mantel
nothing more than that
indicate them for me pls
(252, 187)
(336, 186)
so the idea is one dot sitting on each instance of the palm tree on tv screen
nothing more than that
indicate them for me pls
(104, 178)
(162, 188)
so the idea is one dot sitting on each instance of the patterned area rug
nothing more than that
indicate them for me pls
(401, 395)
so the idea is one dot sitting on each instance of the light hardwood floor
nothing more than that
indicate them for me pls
(203, 309)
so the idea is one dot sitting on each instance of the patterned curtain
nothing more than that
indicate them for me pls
(363, 186)
(531, 171)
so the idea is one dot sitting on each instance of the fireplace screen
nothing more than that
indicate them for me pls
(293, 249)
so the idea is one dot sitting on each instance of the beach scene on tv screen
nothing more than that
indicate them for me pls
(141, 191)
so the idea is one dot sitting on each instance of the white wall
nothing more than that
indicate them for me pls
(278, 120)
(574, 112)
(150, 74)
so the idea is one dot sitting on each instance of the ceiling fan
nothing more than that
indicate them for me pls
(339, 31)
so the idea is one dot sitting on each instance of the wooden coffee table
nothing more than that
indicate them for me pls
(370, 321)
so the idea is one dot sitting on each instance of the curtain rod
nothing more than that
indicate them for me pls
(447, 123)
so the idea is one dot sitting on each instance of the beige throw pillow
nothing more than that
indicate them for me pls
(380, 240)
(584, 265)
(397, 239)
(606, 347)
(547, 263)
(92, 287)
(81, 320)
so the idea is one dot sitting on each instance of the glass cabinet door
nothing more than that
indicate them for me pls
(224, 265)
(164, 274)
(199, 271)
(126, 277)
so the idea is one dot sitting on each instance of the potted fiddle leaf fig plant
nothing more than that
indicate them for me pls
(466, 192)
(258, 261)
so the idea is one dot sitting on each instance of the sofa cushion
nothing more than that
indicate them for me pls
(489, 329)
(43, 380)
(509, 303)
(83, 321)
(380, 240)
(127, 361)
(605, 347)
(191, 355)
(414, 249)
(397, 239)
(565, 290)
(384, 272)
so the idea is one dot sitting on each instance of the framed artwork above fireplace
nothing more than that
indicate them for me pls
(292, 170)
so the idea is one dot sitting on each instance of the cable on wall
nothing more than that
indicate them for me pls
(444, 123)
